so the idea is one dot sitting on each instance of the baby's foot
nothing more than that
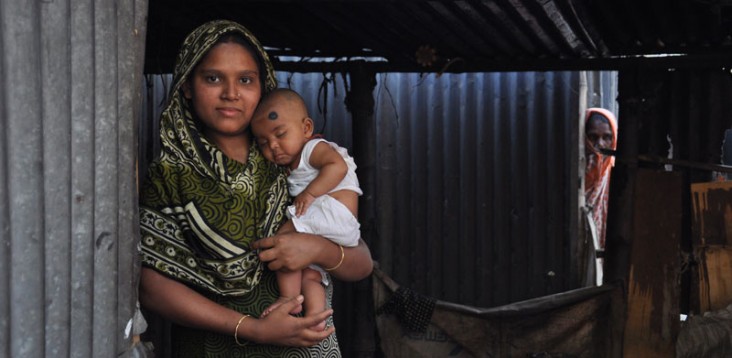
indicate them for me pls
(278, 303)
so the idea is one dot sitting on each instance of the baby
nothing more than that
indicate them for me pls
(322, 181)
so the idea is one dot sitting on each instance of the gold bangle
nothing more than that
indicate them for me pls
(343, 255)
(236, 331)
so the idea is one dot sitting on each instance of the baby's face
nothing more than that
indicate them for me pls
(281, 133)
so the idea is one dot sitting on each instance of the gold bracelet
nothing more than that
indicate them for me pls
(343, 255)
(236, 331)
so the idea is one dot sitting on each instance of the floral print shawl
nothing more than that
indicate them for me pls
(597, 176)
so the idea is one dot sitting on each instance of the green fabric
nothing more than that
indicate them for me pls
(197, 228)
(199, 211)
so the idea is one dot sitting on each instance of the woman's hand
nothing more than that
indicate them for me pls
(182, 305)
(290, 251)
(294, 251)
(280, 328)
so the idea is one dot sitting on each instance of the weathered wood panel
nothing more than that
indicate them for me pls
(711, 288)
(652, 322)
(712, 213)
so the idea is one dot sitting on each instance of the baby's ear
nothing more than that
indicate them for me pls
(308, 126)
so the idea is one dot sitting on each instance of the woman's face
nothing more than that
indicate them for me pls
(599, 134)
(224, 89)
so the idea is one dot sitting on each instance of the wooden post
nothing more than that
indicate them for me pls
(360, 103)
(356, 332)
(643, 242)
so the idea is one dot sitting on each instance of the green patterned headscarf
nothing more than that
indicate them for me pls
(199, 42)
(199, 210)
(176, 121)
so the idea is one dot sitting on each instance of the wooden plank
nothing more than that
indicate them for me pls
(653, 294)
(714, 279)
(711, 228)
(712, 213)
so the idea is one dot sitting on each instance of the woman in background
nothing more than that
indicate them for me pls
(601, 132)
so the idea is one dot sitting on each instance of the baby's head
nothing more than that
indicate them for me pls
(282, 127)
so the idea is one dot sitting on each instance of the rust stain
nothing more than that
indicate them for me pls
(712, 218)
(728, 222)
(642, 338)
(715, 281)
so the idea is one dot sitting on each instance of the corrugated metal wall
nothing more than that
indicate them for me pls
(685, 111)
(69, 104)
(474, 183)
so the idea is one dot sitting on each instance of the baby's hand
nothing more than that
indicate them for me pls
(302, 203)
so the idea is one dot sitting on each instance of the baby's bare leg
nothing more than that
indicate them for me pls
(288, 282)
(290, 286)
(314, 292)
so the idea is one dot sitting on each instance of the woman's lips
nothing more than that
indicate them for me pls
(229, 111)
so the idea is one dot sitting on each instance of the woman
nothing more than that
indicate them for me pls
(600, 133)
(206, 200)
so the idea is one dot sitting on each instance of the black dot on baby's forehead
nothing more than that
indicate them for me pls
(272, 115)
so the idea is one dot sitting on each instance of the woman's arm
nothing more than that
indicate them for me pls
(295, 251)
(182, 305)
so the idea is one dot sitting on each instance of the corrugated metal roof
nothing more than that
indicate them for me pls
(467, 35)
